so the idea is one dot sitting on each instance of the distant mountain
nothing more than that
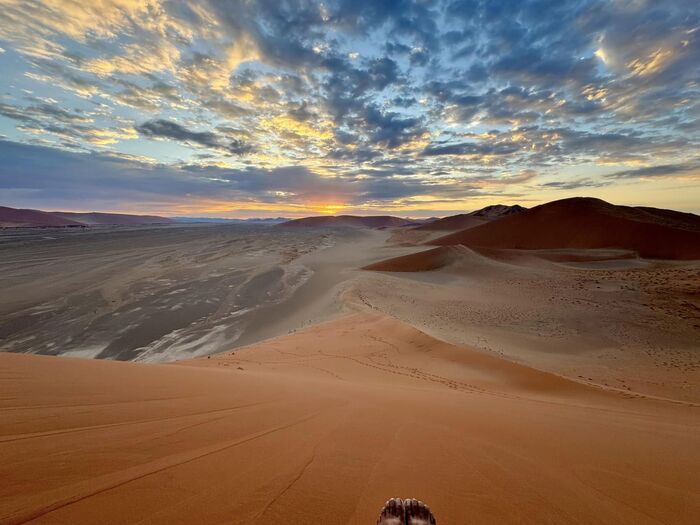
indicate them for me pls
(348, 221)
(18, 218)
(112, 219)
(587, 223)
(271, 220)
(464, 221)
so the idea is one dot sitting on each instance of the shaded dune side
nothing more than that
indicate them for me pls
(586, 223)
(455, 222)
(424, 261)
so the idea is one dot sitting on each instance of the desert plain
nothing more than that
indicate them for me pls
(290, 375)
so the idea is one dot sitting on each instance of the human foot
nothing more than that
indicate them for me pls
(418, 513)
(393, 513)
(405, 512)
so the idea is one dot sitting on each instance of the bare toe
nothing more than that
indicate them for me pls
(393, 513)
(418, 513)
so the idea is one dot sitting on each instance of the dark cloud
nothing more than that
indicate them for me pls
(661, 170)
(472, 148)
(389, 128)
(52, 178)
(575, 184)
(160, 128)
(42, 112)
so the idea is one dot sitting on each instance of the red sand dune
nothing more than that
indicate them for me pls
(353, 221)
(464, 221)
(498, 211)
(424, 261)
(112, 219)
(589, 223)
(17, 218)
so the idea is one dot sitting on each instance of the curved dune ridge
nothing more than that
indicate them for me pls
(463, 221)
(443, 256)
(498, 211)
(587, 223)
(424, 261)
(473, 219)
(347, 221)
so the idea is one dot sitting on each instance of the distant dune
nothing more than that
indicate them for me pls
(498, 211)
(112, 219)
(348, 221)
(465, 221)
(587, 223)
(17, 218)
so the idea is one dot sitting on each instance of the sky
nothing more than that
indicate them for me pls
(243, 108)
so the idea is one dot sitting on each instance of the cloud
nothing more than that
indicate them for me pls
(472, 148)
(54, 178)
(160, 128)
(687, 169)
(576, 184)
(417, 93)
(42, 112)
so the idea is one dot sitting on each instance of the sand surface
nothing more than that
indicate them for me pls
(152, 294)
(623, 324)
(323, 425)
(500, 386)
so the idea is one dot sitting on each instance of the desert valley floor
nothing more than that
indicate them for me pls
(501, 386)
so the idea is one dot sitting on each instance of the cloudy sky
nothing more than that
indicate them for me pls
(246, 108)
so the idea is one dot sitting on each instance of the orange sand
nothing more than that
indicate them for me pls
(321, 426)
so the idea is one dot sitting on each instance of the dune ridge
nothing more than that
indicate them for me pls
(464, 221)
(423, 261)
(587, 223)
(112, 219)
(18, 218)
(25, 218)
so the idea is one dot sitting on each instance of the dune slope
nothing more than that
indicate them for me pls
(298, 430)
(112, 219)
(16, 218)
(589, 223)
(462, 221)
(423, 261)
